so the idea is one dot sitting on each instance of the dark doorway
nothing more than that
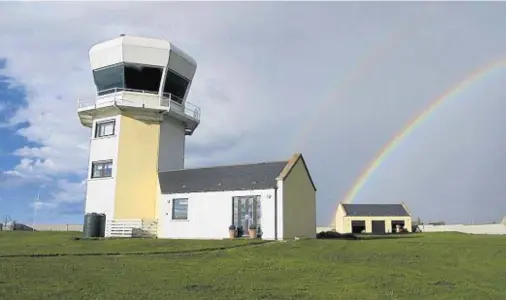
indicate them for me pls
(378, 227)
(401, 226)
(246, 211)
(357, 226)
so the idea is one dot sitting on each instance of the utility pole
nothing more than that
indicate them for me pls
(36, 206)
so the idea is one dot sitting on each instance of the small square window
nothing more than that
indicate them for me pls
(180, 209)
(101, 169)
(105, 128)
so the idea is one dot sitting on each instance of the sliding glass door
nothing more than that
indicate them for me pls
(246, 211)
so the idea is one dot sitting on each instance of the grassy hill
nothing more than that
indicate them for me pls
(423, 266)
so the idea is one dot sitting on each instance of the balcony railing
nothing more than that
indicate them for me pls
(119, 96)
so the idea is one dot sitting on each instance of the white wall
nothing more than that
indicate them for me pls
(474, 229)
(279, 209)
(180, 64)
(132, 49)
(58, 227)
(210, 215)
(339, 218)
(130, 99)
(172, 145)
(100, 192)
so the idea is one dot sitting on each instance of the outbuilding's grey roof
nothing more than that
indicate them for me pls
(363, 210)
(222, 178)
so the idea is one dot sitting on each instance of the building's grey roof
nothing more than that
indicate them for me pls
(222, 178)
(362, 210)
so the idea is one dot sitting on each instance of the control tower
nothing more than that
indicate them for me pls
(139, 120)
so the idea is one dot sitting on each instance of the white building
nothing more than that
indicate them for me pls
(203, 203)
(139, 120)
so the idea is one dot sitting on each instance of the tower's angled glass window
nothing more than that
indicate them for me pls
(175, 85)
(101, 169)
(180, 209)
(143, 78)
(105, 128)
(109, 79)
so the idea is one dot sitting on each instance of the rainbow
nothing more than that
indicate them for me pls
(415, 122)
(365, 63)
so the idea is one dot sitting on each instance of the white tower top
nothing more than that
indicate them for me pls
(138, 72)
(140, 50)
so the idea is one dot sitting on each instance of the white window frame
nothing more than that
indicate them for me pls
(174, 208)
(100, 125)
(102, 164)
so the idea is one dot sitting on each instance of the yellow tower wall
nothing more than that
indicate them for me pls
(137, 169)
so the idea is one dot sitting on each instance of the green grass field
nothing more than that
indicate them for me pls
(423, 266)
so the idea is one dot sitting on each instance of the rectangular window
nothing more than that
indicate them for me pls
(101, 169)
(175, 85)
(109, 79)
(180, 209)
(143, 78)
(129, 76)
(105, 128)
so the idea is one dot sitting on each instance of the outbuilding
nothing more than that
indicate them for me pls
(277, 198)
(373, 218)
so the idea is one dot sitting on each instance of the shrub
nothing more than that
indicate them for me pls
(336, 235)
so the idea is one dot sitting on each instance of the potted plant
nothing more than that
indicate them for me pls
(252, 231)
(232, 232)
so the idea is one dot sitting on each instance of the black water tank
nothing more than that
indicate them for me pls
(91, 226)
(102, 219)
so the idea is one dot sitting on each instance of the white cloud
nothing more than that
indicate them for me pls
(63, 192)
(52, 66)
(15, 178)
(68, 192)
(262, 70)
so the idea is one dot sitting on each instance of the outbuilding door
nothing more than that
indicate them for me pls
(378, 227)
(246, 212)
(357, 226)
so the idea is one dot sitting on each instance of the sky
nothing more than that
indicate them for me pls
(335, 81)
